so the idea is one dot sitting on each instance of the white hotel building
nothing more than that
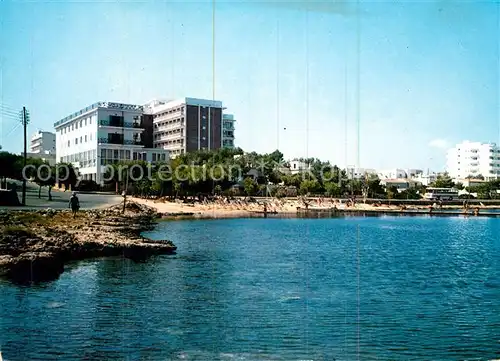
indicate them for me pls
(105, 133)
(474, 159)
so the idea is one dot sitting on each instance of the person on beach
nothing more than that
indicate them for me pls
(74, 204)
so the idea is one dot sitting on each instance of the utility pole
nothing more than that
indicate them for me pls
(24, 120)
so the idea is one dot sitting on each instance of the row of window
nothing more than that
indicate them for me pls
(174, 132)
(86, 159)
(179, 121)
(75, 125)
(80, 140)
(169, 142)
(170, 111)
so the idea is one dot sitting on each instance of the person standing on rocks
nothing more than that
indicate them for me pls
(74, 204)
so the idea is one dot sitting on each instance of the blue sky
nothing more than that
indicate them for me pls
(428, 71)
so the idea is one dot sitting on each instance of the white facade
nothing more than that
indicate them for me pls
(296, 166)
(228, 131)
(43, 143)
(425, 179)
(414, 173)
(392, 174)
(103, 133)
(474, 159)
(358, 173)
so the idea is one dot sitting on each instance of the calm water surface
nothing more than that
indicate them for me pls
(274, 289)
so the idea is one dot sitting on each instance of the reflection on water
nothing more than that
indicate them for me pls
(274, 289)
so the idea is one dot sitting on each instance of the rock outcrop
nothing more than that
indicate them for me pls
(34, 246)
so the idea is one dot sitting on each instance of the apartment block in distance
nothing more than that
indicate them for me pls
(471, 159)
(43, 143)
(228, 131)
(186, 124)
(43, 146)
(105, 133)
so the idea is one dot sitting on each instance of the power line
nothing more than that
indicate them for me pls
(277, 85)
(10, 112)
(307, 84)
(8, 107)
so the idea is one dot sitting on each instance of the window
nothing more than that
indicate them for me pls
(81, 122)
(68, 143)
(72, 127)
(76, 141)
(81, 138)
(85, 139)
(85, 121)
(90, 136)
(76, 125)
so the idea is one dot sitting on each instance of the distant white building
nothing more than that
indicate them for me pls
(425, 179)
(43, 143)
(395, 173)
(358, 173)
(297, 166)
(473, 159)
(228, 131)
(413, 173)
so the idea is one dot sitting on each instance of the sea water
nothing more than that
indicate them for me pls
(375, 288)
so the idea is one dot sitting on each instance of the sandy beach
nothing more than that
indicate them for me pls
(241, 208)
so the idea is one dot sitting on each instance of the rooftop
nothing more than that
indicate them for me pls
(107, 105)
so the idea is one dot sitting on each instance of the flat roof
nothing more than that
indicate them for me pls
(107, 105)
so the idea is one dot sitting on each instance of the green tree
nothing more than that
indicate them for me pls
(10, 167)
(333, 189)
(392, 192)
(250, 186)
(309, 186)
(443, 181)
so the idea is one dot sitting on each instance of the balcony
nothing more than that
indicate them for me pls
(119, 123)
(163, 128)
(133, 142)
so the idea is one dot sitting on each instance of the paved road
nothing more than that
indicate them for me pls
(60, 200)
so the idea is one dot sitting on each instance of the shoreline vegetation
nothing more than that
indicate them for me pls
(222, 207)
(36, 245)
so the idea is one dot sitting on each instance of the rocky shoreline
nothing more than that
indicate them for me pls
(35, 245)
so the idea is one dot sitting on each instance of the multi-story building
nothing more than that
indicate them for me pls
(228, 130)
(392, 174)
(425, 179)
(414, 173)
(186, 124)
(43, 143)
(358, 173)
(471, 159)
(105, 133)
